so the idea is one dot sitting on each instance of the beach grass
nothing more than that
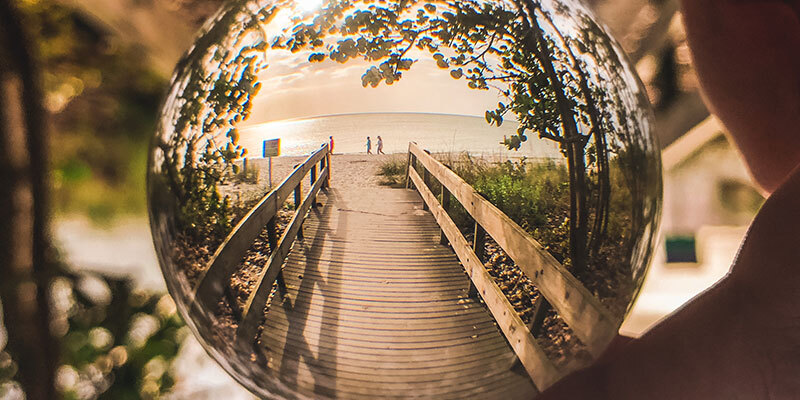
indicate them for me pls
(393, 171)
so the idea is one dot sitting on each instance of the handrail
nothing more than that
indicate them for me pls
(248, 327)
(541, 370)
(229, 254)
(579, 308)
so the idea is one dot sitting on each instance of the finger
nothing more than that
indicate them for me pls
(747, 55)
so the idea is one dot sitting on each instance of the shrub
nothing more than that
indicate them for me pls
(393, 171)
(249, 176)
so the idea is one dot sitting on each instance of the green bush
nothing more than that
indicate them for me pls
(393, 171)
(534, 195)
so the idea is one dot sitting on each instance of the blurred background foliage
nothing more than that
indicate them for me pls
(103, 99)
(118, 342)
(102, 95)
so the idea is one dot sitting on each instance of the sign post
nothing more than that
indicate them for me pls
(272, 148)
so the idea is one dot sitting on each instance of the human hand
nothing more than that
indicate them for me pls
(741, 338)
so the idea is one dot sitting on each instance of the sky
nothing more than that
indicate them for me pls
(294, 88)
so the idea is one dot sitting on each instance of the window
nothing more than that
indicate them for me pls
(681, 249)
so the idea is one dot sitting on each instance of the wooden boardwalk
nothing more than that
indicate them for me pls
(377, 308)
(373, 306)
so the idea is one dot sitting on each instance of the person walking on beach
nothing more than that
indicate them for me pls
(369, 146)
(331, 145)
(380, 146)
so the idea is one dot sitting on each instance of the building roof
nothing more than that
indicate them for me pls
(691, 142)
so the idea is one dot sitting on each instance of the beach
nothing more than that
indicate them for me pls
(434, 132)
(347, 171)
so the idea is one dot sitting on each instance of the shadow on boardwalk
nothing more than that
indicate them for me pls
(323, 365)
(377, 308)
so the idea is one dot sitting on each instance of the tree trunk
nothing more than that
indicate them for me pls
(603, 199)
(25, 256)
(580, 229)
(573, 141)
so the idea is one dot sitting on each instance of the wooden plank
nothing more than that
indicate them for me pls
(229, 254)
(542, 371)
(583, 312)
(251, 317)
(385, 330)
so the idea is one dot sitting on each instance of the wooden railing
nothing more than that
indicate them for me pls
(578, 307)
(230, 253)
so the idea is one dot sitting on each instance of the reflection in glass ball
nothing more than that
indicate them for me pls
(462, 201)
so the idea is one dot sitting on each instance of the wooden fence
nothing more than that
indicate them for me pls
(578, 307)
(228, 257)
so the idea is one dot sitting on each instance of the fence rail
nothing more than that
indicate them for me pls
(230, 253)
(579, 308)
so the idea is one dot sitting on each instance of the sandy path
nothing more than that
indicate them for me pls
(348, 171)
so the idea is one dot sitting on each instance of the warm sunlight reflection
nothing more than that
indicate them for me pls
(309, 5)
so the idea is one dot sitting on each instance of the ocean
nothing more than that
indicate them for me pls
(434, 132)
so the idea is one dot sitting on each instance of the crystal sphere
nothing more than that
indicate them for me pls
(391, 199)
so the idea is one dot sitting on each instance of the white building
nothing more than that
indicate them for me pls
(709, 201)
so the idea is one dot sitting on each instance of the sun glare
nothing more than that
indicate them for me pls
(309, 5)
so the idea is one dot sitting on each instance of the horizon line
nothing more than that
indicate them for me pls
(361, 113)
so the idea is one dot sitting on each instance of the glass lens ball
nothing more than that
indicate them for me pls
(391, 199)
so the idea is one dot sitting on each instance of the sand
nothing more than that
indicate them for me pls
(347, 171)
(354, 172)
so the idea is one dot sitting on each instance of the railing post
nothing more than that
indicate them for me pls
(479, 247)
(272, 238)
(298, 199)
(330, 170)
(272, 234)
(445, 199)
(540, 309)
(313, 179)
(426, 177)
(410, 165)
